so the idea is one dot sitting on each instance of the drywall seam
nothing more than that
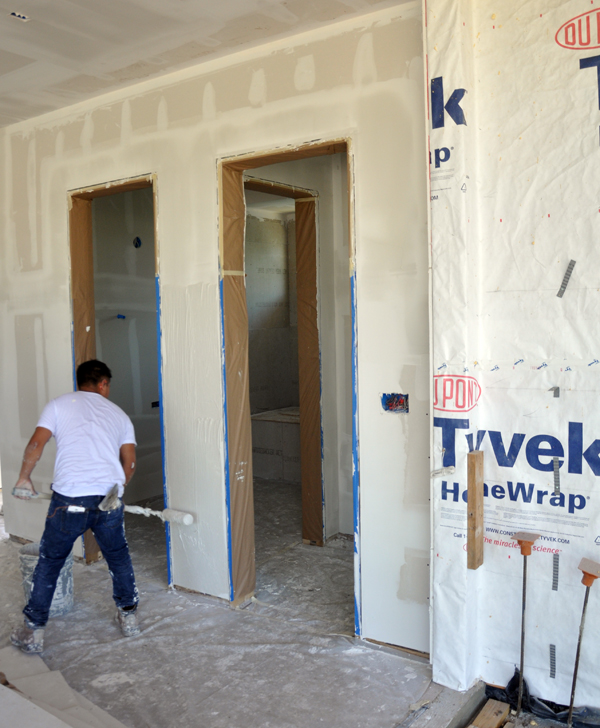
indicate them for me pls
(385, 16)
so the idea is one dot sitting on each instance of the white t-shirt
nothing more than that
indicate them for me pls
(89, 432)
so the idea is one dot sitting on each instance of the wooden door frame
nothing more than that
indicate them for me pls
(238, 440)
(81, 248)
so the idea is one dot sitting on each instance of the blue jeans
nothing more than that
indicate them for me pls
(63, 528)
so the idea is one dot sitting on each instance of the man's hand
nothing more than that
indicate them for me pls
(24, 489)
(33, 452)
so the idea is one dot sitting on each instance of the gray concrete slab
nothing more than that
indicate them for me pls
(285, 661)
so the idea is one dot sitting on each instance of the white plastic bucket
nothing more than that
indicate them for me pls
(62, 602)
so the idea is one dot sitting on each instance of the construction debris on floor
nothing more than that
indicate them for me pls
(288, 659)
(36, 694)
(496, 714)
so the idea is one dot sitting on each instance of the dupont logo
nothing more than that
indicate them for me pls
(580, 33)
(455, 393)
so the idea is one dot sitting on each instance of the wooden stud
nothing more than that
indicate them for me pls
(493, 714)
(475, 509)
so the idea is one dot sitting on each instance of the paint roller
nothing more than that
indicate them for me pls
(111, 501)
(169, 514)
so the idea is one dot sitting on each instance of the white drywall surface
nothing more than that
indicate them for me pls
(514, 199)
(367, 87)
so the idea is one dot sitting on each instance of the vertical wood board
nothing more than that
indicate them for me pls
(239, 429)
(309, 373)
(475, 509)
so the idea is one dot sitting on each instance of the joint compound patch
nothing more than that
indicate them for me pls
(414, 576)
(112, 681)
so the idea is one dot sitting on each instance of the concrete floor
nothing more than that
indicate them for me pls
(287, 660)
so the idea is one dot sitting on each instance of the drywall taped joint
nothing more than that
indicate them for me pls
(565, 282)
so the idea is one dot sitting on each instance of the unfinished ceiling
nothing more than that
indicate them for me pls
(54, 53)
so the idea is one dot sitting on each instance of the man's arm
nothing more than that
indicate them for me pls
(127, 458)
(33, 452)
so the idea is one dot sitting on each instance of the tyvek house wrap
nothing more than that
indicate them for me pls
(513, 93)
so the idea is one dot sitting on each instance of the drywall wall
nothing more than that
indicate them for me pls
(327, 177)
(273, 341)
(359, 80)
(125, 303)
(514, 143)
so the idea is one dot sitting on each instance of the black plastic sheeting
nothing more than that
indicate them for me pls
(582, 717)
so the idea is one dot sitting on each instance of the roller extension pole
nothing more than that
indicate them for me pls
(112, 501)
(169, 514)
(525, 541)
(591, 571)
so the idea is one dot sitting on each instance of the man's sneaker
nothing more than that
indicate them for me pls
(28, 638)
(127, 621)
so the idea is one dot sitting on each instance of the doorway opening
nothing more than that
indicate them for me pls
(115, 289)
(283, 326)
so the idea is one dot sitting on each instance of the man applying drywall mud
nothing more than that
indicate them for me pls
(95, 451)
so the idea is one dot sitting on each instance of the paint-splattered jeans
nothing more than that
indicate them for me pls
(62, 529)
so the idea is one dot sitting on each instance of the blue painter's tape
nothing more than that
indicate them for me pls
(355, 462)
(226, 436)
(162, 431)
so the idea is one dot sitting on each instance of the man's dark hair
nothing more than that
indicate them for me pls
(92, 372)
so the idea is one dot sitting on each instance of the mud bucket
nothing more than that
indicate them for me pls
(62, 601)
